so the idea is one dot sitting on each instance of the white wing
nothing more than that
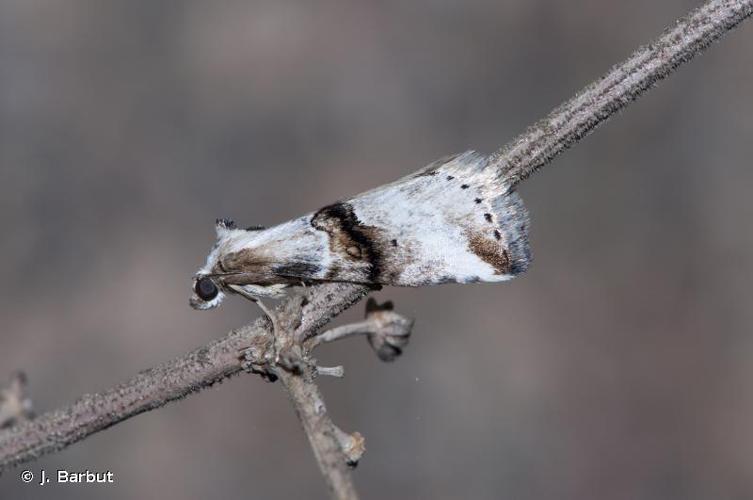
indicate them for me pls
(453, 221)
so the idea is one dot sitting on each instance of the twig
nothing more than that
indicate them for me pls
(387, 331)
(323, 436)
(168, 382)
(626, 82)
(217, 361)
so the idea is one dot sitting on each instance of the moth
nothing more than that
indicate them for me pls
(454, 221)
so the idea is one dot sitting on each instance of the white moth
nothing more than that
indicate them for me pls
(455, 221)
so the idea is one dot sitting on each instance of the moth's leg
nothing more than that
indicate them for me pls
(284, 361)
(281, 360)
(270, 314)
(275, 326)
(283, 356)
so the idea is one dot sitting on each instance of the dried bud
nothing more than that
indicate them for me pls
(391, 331)
(353, 446)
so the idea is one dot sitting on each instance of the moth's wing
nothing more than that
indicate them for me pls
(453, 221)
(291, 253)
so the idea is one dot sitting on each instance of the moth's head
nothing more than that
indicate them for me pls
(208, 288)
(207, 292)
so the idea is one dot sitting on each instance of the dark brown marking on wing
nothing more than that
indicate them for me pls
(237, 261)
(354, 251)
(490, 252)
(351, 238)
(244, 267)
(426, 173)
(302, 270)
(221, 266)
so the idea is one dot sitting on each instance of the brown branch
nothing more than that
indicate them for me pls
(322, 433)
(219, 360)
(191, 373)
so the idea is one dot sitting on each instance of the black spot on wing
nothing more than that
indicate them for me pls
(433, 168)
(426, 173)
(464, 186)
(488, 217)
(443, 280)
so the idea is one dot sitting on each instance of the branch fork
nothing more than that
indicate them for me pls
(387, 332)
(285, 354)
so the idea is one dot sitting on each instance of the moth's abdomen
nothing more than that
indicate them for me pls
(454, 221)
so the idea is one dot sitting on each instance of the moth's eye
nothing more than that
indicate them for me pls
(206, 289)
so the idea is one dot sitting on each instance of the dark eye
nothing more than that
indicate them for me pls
(206, 289)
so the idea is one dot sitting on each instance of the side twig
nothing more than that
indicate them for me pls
(387, 332)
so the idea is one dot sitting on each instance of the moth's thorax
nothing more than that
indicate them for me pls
(249, 257)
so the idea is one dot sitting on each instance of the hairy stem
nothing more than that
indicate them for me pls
(626, 82)
(322, 434)
(168, 382)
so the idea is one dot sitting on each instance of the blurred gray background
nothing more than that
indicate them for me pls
(617, 368)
